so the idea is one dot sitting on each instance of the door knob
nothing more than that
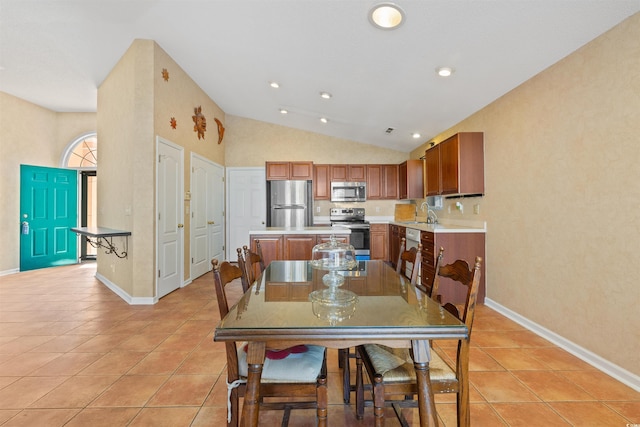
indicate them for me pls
(180, 225)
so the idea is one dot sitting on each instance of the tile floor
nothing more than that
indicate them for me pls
(72, 353)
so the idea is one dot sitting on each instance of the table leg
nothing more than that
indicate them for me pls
(426, 402)
(251, 406)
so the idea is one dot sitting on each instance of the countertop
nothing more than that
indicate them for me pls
(445, 225)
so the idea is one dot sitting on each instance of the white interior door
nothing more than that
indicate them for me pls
(247, 205)
(207, 210)
(170, 228)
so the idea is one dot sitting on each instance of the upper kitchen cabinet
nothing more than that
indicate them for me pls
(410, 180)
(456, 165)
(382, 182)
(348, 173)
(322, 182)
(289, 171)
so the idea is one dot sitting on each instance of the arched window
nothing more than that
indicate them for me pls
(81, 153)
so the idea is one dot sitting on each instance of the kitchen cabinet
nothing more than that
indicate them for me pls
(298, 247)
(456, 165)
(382, 182)
(396, 233)
(322, 182)
(465, 246)
(292, 246)
(289, 171)
(410, 179)
(348, 173)
(272, 246)
(379, 241)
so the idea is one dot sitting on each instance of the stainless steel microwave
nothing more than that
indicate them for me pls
(348, 191)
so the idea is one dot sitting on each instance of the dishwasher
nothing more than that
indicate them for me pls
(412, 237)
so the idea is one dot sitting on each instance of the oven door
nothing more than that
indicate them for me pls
(359, 239)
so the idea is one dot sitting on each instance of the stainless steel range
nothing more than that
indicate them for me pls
(353, 218)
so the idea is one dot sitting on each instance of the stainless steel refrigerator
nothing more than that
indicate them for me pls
(289, 204)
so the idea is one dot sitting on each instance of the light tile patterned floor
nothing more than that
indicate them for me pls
(72, 353)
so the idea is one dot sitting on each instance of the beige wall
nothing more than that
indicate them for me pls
(562, 193)
(32, 135)
(135, 104)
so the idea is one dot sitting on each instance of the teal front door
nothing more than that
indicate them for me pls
(48, 210)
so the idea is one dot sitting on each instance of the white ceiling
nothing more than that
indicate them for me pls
(56, 53)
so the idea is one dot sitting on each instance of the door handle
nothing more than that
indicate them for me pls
(180, 225)
(211, 222)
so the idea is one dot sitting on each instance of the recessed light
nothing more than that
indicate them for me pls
(386, 16)
(444, 71)
(274, 85)
(283, 111)
(323, 119)
(416, 135)
(325, 95)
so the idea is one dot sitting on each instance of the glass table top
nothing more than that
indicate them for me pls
(279, 300)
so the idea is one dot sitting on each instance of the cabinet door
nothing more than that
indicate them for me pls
(390, 182)
(449, 165)
(321, 182)
(378, 241)
(301, 171)
(374, 182)
(277, 170)
(357, 173)
(432, 160)
(339, 173)
(298, 247)
(271, 246)
(402, 180)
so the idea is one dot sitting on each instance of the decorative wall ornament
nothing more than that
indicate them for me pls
(173, 122)
(200, 121)
(220, 130)
(165, 74)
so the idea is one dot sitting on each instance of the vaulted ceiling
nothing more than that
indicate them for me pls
(57, 53)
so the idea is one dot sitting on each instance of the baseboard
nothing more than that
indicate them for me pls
(611, 369)
(125, 296)
(7, 272)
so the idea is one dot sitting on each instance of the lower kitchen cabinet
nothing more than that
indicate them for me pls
(396, 233)
(379, 241)
(291, 246)
(465, 246)
(298, 247)
(272, 246)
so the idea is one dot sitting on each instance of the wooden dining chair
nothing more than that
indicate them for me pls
(302, 374)
(254, 262)
(414, 256)
(391, 371)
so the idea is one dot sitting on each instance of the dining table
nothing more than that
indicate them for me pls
(279, 311)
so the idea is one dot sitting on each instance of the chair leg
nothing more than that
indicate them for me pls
(346, 375)
(322, 398)
(378, 400)
(359, 387)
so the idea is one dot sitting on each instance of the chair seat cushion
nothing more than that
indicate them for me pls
(396, 365)
(295, 367)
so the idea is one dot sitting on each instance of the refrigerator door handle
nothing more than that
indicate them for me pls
(289, 207)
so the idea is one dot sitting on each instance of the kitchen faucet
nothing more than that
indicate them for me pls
(432, 218)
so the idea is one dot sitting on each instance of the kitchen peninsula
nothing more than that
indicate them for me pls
(287, 243)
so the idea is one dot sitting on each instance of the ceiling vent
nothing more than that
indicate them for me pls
(389, 130)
